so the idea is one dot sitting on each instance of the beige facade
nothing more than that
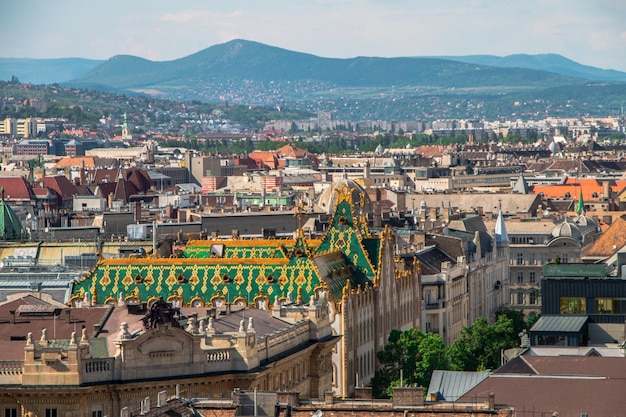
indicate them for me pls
(535, 242)
(77, 377)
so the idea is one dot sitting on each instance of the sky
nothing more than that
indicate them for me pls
(590, 32)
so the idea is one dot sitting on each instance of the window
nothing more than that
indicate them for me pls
(520, 277)
(51, 412)
(532, 277)
(10, 412)
(520, 258)
(520, 298)
(531, 258)
(532, 298)
(573, 305)
(610, 305)
(565, 258)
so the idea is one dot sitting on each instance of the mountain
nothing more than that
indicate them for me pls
(359, 88)
(45, 71)
(252, 72)
(544, 62)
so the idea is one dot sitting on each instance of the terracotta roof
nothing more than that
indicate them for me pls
(13, 336)
(61, 185)
(563, 384)
(138, 177)
(609, 242)
(16, 188)
(430, 151)
(77, 161)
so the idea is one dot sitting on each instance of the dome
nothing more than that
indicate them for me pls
(328, 199)
(566, 229)
(585, 222)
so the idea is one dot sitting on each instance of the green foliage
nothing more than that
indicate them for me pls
(415, 353)
(418, 354)
(270, 145)
(480, 344)
(85, 107)
(532, 319)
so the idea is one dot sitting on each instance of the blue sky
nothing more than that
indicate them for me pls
(591, 32)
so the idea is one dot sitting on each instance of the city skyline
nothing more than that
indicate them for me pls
(590, 33)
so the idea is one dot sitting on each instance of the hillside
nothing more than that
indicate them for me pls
(45, 71)
(252, 71)
(544, 62)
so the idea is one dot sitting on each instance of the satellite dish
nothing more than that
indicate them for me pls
(318, 413)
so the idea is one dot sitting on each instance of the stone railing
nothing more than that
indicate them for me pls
(218, 356)
(282, 341)
(11, 372)
(94, 370)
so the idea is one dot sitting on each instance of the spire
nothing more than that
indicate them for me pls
(521, 186)
(580, 207)
(500, 231)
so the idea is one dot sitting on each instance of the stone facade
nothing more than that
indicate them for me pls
(76, 377)
(370, 291)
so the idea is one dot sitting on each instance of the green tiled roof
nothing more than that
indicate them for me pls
(240, 270)
(10, 224)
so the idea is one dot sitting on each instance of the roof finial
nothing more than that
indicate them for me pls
(298, 215)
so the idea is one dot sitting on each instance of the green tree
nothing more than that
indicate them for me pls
(480, 344)
(417, 354)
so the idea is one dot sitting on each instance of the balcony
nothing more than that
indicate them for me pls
(435, 305)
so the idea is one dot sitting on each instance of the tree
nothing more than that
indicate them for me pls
(417, 354)
(481, 343)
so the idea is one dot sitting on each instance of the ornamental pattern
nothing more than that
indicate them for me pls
(251, 272)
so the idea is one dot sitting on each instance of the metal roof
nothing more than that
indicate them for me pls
(451, 385)
(559, 323)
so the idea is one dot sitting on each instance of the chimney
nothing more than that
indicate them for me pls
(492, 401)
(12, 318)
(606, 189)
(137, 212)
(68, 319)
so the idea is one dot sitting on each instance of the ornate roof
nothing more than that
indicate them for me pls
(566, 229)
(246, 271)
(10, 224)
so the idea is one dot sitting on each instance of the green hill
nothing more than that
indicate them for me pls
(244, 68)
(545, 62)
(45, 71)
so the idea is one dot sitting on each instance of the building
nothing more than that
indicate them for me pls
(124, 354)
(32, 147)
(370, 292)
(585, 291)
(535, 241)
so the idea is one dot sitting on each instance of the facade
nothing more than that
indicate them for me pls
(198, 353)
(370, 292)
(32, 147)
(26, 128)
(586, 290)
(535, 242)
(464, 276)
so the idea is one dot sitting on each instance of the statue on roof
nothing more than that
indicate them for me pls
(160, 312)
